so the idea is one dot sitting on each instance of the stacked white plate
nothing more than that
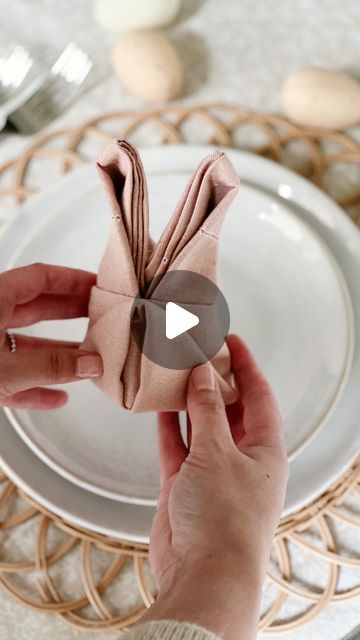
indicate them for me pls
(289, 268)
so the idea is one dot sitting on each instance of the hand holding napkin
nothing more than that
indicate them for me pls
(133, 263)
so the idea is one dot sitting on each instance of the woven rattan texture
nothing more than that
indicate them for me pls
(319, 531)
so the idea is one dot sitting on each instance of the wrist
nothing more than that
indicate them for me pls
(213, 567)
(217, 592)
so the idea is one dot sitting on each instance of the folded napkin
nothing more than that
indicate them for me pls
(132, 262)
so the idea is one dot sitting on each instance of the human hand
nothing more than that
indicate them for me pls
(220, 501)
(28, 295)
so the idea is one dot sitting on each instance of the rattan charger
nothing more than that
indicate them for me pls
(90, 599)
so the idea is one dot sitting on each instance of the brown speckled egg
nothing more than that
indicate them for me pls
(148, 65)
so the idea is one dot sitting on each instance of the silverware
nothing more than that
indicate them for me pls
(353, 635)
(16, 65)
(70, 74)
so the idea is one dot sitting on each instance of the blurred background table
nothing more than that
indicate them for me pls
(239, 52)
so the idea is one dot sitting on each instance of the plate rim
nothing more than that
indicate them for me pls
(82, 480)
(340, 217)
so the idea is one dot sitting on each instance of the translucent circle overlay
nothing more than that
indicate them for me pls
(194, 293)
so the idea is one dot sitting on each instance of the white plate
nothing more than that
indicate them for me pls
(78, 506)
(260, 235)
(327, 462)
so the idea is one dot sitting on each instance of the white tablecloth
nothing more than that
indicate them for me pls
(236, 51)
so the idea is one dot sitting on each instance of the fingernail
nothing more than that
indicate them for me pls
(89, 366)
(204, 377)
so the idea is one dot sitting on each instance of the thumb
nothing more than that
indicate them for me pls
(210, 427)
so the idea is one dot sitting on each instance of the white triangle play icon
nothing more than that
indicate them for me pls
(178, 320)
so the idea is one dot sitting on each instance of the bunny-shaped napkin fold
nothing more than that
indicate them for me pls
(132, 264)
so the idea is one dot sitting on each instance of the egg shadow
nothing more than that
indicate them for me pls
(351, 71)
(193, 53)
(188, 8)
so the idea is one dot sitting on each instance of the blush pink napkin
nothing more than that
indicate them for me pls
(132, 260)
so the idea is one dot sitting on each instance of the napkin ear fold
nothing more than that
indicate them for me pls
(201, 210)
(218, 189)
(124, 182)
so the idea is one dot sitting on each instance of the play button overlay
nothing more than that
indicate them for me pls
(180, 321)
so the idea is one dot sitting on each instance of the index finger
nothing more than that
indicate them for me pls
(23, 284)
(262, 421)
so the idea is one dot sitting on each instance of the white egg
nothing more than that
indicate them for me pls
(126, 15)
(322, 98)
(148, 65)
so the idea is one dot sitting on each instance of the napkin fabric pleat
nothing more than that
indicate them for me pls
(133, 265)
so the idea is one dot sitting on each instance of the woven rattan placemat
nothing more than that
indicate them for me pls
(316, 537)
